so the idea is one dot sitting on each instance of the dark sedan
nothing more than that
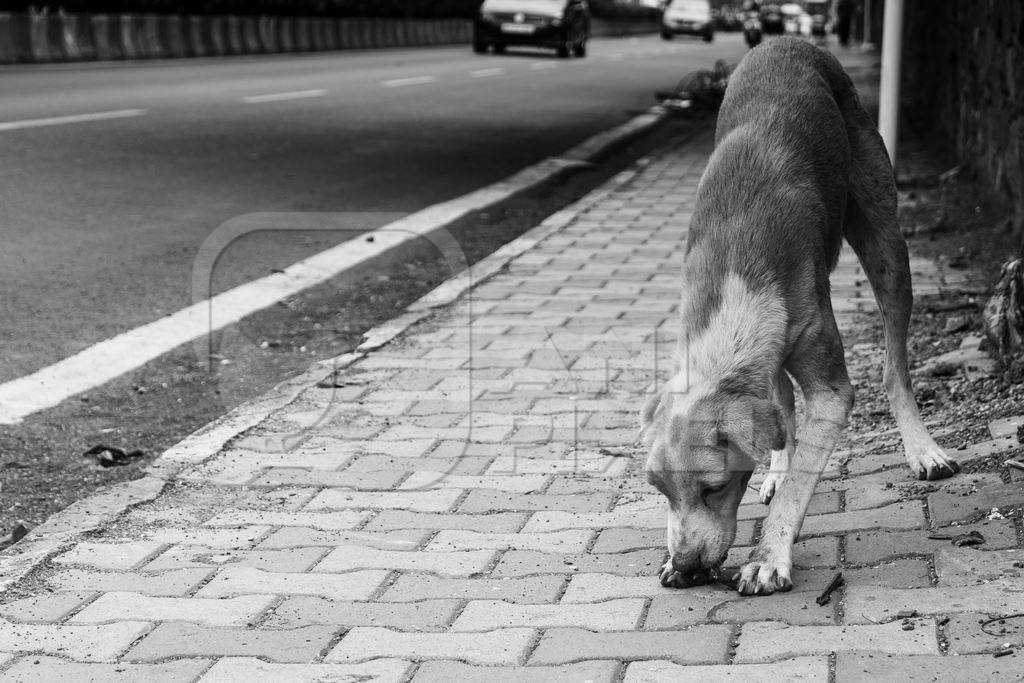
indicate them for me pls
(560, 24)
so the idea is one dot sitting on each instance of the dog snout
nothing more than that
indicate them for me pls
(684, 575)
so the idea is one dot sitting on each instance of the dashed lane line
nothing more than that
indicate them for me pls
(284, 96)
(485, 73)
(74, 118)
(412, 80)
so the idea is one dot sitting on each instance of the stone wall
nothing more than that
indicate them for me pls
(963, 81)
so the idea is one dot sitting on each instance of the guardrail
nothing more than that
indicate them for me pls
(63, 37)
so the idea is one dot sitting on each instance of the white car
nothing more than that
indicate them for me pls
(688, 17)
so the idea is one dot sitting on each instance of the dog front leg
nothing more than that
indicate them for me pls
(781, 459)
(771, 562)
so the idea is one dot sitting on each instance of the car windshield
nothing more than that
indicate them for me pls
(691, 5)
(525, 5)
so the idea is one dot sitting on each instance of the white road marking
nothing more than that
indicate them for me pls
(413, 80)
(74, 118)
(537, 66)
(484, 73)
(130, 350)
(284, 96)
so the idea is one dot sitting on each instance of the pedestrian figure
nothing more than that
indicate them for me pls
(844, 20)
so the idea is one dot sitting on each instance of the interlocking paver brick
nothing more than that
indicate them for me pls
(501, 522)
(180, 639)
(572, 541)
(968, 565)
(908, 515)
(869, 547)
(797, 669)
(305, 610)
(461, 563)
(697, 645)
(680, 609)
(764, 641)
(652, 517)
(504, 646)
(440, 500)
(907, 573)
(360, 480)
(86, 643)
(612, 615)
(111, 607)
(329, 521)
(290, 560)
(527, 562)
(358, 585)
(112, 556)
(531, 589)
(974, 633)
(169, 583)
(232, 669)
(866, 603)
(798, 608)
(946, 508)
(244, 537)
(483, 500)
(46, 608)
(302, 537)
(520, 483)
(446, 671)
(854, 667)
(43, 669)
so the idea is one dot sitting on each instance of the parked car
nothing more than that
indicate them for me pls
(688, 17)
(560, 24)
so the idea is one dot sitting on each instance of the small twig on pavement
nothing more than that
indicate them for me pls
(826, 595)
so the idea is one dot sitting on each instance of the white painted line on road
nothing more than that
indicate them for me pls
(118, 355)
(537, 66)
(74, 118)
(402, 82)
(484, 73)
(284, 96)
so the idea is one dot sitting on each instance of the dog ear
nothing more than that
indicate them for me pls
(770, 429)
(648, 412)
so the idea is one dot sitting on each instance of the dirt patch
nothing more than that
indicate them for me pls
(961, 225)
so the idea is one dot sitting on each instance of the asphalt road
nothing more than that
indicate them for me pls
(102, 219)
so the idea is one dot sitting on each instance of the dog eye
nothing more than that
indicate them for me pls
(712, 490)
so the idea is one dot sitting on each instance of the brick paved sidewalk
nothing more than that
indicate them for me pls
(468, 504)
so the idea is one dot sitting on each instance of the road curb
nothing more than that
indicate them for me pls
(101, 508)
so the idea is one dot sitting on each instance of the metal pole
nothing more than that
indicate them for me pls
(889, 88)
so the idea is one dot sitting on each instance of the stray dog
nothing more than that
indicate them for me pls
(797, 166)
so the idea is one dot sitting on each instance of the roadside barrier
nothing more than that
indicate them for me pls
(51, 37)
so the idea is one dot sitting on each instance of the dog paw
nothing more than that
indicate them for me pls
(770, 485)
(931, 463)
(764, 577)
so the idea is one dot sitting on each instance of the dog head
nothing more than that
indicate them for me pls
(704, 442)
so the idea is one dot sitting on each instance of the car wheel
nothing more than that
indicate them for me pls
(708, 37)
(580, 49)
(480, 48)
(499, 49)
(665, 35)
(565, 50)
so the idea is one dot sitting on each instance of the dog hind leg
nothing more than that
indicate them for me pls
(781, 459)
(871, 228)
